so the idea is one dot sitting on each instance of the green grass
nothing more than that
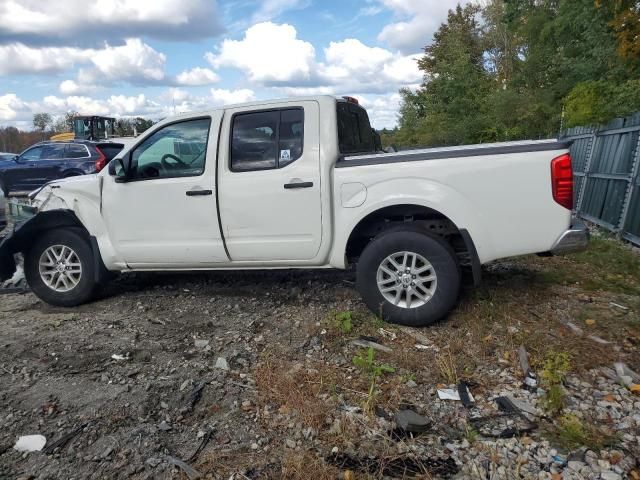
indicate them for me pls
(606, 265)
(572, 433)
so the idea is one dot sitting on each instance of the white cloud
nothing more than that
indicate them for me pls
(352, 65)
(418, 20)
(225, 97)
(11, 106)
(197, 76)
(133, 61)
(17, 58)
(66, 21)
(272, 8)
(382, 109)
(272, 55)
(69, 87)
(268, 54)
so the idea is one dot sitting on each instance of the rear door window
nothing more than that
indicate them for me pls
(266, 140)
(77, 151)
(354, 129)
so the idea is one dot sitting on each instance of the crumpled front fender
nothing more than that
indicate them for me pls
(23, 234)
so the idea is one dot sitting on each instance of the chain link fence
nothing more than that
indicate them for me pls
(606, 168)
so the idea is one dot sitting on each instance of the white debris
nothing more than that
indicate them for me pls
(117, 357)
(451, 394)
(30, 443)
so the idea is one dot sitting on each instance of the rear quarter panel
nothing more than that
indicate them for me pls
(504, 201)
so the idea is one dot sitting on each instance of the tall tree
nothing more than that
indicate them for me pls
(41, 121)
(450, 105)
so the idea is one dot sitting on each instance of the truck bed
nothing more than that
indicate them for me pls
(500, 193)
(437, 153)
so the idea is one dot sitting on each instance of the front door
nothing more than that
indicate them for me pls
(165, 216)
(269, 181)
(23, 175)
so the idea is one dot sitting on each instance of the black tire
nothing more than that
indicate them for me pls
(435, 250)
(83, 291)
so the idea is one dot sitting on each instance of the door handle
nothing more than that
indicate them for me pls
(289, 186)
(198, 193)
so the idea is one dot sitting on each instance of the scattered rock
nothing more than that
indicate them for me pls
(221, 363)
(410, 421)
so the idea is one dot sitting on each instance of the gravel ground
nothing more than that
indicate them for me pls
(248, 375)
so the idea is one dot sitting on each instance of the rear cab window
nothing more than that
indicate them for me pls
(354, 129)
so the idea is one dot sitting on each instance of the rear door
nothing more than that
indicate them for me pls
(269, 182)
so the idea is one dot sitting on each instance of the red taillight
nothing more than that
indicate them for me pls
(101, 162)
(562, 180)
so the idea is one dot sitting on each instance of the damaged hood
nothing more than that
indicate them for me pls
(67, 192)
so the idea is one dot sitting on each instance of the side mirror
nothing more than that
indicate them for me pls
(16, 158)
(120, 168)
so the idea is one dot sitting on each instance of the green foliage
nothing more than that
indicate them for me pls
(594, 102)
(573, 433)
(510, 75)
(343, 320)
(366, 362)
(556, 367)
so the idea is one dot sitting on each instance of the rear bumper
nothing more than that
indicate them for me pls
(575, 239)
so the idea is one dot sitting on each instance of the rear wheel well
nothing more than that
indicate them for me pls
(394, 216)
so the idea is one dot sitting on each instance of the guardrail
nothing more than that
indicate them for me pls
(606, 169)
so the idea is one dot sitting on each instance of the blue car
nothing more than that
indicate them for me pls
(47, 161)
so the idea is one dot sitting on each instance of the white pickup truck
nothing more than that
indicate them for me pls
(298, 183)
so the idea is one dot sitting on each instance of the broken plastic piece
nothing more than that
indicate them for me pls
(451, 394)
(30, 443)
(370, 342)
(465, 395)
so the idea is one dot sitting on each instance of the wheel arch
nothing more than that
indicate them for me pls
(432, 220)
(25, 233)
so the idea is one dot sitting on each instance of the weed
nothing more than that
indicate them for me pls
(344, 321)
(366, 362)
(470, 434)
(556, 367)
(407, 377)
(572, 433)
(447, 366)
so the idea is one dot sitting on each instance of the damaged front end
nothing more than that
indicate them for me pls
(42, 210)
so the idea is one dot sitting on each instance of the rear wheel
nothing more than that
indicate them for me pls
(59, 268)
(409, 277)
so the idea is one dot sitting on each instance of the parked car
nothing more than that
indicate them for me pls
(3, 212)
(299, 183)
(47, 161)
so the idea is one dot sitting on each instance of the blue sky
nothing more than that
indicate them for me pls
(133, 57)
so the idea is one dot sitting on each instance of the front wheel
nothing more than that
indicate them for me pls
(59, 268)
(409, 277)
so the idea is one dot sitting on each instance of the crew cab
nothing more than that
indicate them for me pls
(299, 183)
